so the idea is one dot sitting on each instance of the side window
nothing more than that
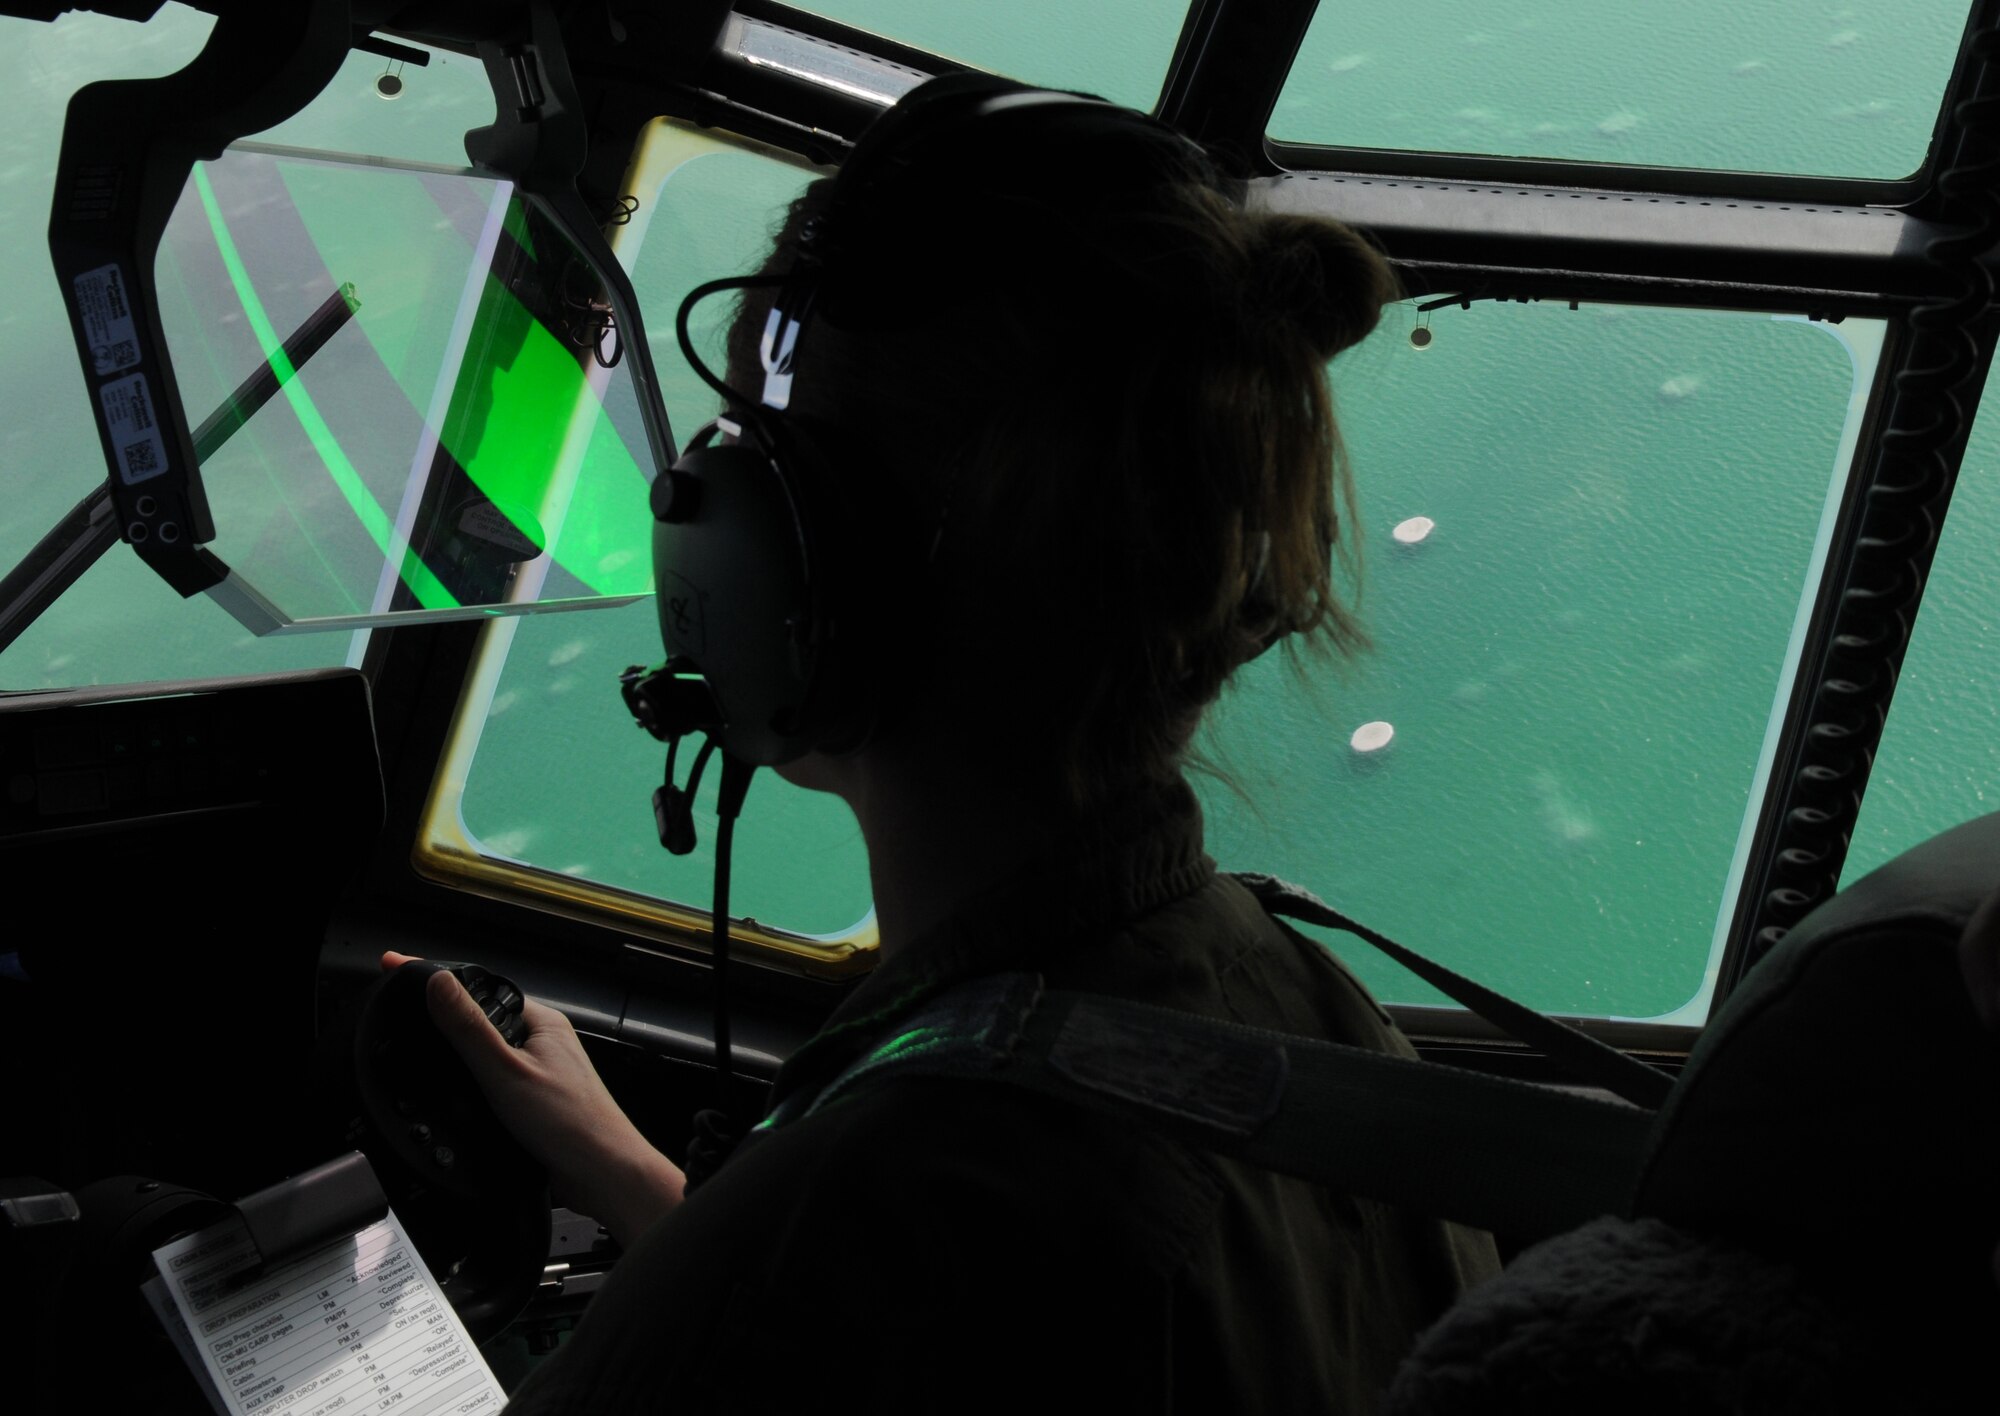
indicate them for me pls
(1590, 539)
(549, 782)
(120, 623)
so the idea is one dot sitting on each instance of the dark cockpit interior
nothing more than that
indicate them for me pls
(327, 546)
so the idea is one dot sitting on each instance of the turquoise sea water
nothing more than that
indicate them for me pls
(1848, 89)
(1580, 663)
(1843, 89)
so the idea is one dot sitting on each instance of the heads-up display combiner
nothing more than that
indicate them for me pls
(476, 439)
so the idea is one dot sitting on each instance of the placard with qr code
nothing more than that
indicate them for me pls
(135, 434)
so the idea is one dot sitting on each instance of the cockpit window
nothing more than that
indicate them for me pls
(1591, 538)
(1847, 90)
(1118, 49)
(546, 787)
(394, 108)
(120, 623)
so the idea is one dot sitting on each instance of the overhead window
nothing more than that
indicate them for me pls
(1847, 90)
(1118, 49)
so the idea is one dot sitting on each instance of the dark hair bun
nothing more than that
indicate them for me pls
(1325, 277)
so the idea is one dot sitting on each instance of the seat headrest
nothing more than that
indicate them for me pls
(1842, 1109)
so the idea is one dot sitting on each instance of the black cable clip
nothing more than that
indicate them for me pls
(669, 702)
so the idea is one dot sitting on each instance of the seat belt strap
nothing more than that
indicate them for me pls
(1582, 1055)
(1522, 1159)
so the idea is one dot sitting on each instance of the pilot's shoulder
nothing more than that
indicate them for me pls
(981, 1165)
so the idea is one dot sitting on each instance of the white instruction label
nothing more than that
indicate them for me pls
(162, 1303)
(107, 319)
(357, 1324)
(135, 433)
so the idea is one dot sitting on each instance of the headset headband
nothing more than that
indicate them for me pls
(921, 132)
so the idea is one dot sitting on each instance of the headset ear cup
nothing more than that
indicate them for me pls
(735, 591)
(773, 576)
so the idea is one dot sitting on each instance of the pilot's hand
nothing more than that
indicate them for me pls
(549, 1096)
(1979, 963)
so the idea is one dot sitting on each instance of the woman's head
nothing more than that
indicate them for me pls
(1080, 391)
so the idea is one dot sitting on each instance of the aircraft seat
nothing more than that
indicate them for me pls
(1815, 1222)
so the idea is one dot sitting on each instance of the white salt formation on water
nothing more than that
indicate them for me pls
(1371, 737)
(1414, 530)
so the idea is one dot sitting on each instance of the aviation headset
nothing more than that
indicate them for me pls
(778, 559)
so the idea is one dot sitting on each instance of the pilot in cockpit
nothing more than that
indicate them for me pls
(1054, 404)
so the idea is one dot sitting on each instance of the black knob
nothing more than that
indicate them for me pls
(676, 496)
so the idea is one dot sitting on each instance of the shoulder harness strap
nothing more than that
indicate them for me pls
(1520, 1158)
